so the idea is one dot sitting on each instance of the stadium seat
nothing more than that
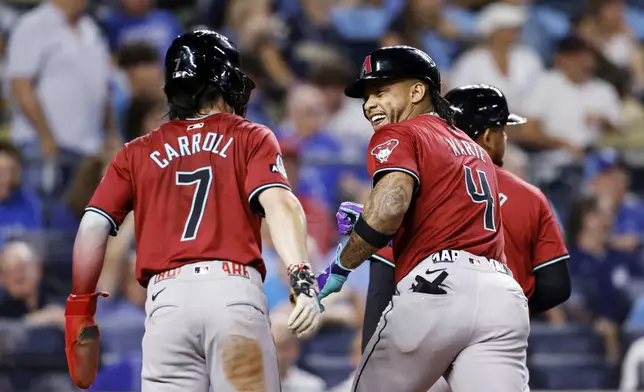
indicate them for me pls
(579, 339)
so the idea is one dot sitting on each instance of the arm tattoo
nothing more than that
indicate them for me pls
(384, 211)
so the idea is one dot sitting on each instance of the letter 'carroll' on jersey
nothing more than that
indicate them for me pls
(456, 204)
(193, 186)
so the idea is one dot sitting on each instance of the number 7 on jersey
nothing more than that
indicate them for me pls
(202, 178)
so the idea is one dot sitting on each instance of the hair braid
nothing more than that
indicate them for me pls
(442, 107)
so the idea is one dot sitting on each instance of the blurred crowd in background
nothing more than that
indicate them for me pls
(80, 78)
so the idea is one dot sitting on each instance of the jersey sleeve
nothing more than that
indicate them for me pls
(385, 256)
(265, 166)
(392, 149)
(114, 196)
(550, 247)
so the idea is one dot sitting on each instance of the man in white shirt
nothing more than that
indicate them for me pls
(500, 60)
(57, 76)
(568, 109)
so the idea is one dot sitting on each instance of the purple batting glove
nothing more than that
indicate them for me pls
(348, 214)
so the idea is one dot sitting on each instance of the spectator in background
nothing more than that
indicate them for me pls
(20, 210)
(258, 105)
(318, 216)
(308, 32)
(346, 121)
(67, 213)
(356, 356)
(608, 179)
(424, 24)
(305, 117)
(604, 27)
(139, 63)
(293, 379)
(122, 319)
(58, 71)
(568, 110)
(500, 60)
(22, 295)
(600, 274)
(145, 114)
(140, 21)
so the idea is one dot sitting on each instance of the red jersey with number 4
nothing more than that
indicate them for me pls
(193, 187)
(532, 236)
(456, 201)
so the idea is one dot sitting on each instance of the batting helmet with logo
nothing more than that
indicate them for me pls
(395, 62)
(199, 62)
(479, 107)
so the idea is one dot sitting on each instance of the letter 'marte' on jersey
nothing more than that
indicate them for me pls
(193, 186)
(456, 205)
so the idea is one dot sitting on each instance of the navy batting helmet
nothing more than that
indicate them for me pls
(395, 62)
(201, 59)
(479, 107)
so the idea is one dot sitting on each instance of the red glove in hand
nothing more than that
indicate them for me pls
(82, 338)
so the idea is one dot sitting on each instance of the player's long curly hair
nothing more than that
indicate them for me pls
(190, 100)
(442, 107)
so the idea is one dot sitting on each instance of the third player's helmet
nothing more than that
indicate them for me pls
(202, 60)
(479, 107)
(395, 62)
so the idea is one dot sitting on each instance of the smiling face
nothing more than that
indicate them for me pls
(388, 102)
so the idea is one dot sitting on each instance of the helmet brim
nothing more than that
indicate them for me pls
(357, 88)
(515, 119)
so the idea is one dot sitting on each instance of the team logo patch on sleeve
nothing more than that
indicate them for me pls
(382, 151)
(278, 166)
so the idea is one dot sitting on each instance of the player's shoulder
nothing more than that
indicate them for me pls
(509, 182)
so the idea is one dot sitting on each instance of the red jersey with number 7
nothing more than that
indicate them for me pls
(193, 187)
(456, 203)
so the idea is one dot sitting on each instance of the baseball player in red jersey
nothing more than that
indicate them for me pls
(534, 246)
(199, 187)
(435, 193)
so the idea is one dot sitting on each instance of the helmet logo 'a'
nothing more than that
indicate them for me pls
(382, 151)
(366, 66)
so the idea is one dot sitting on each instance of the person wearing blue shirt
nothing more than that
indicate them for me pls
(601, 275)
(601, 272)
(608, 178)
(136, 21)
(20, 209)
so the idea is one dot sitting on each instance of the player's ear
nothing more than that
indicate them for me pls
(485, 139)
(417, 92)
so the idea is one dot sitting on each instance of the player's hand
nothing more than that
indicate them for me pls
(333, 277)
(347, 215)
(305, 317)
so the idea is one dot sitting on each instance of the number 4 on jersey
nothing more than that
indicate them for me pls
(203, 179)
(482, 196)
